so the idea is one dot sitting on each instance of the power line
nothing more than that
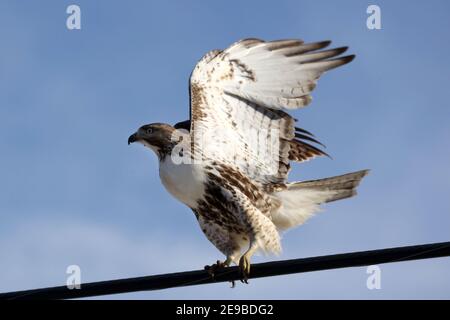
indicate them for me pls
(260, 270)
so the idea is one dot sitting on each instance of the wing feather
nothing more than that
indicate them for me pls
(237, 100)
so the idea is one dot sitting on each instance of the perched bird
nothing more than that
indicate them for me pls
(229, 163)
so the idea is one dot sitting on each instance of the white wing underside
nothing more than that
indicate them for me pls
(238, 96)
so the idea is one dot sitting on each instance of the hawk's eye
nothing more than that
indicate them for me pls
(150, 130)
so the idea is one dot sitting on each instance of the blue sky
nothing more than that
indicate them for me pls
(73, 192)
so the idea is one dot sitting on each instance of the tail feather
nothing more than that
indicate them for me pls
(344, 186)
(301, 200)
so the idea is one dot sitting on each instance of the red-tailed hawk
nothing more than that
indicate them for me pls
(231, 164)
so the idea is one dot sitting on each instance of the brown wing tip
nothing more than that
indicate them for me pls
(341, 50)
(324, 44)
(283, 43)
(308, 138)
(303, 130)
(337, 62)
(365, 172)
(348, 59)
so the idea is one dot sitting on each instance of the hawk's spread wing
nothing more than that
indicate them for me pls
(237, 100)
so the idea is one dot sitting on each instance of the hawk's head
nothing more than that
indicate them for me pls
(156, 136)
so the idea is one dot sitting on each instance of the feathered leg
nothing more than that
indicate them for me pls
(264, 235)
(244, 261)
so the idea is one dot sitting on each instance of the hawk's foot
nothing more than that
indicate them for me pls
(244, 268)
(218, 266)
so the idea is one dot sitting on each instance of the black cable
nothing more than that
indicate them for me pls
(268, 269)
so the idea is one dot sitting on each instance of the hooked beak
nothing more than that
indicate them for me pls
(132, 138)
